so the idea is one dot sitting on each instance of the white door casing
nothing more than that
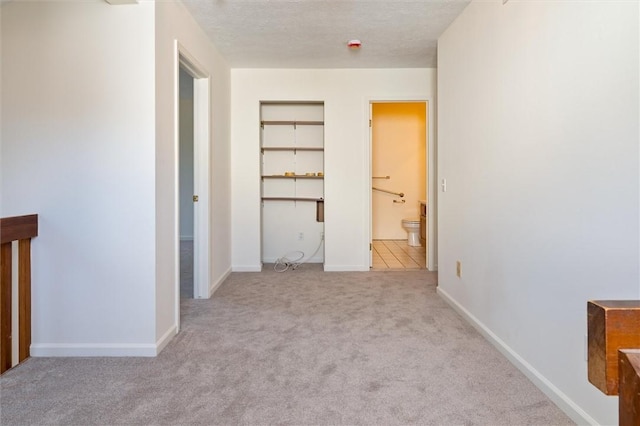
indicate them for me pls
(202, 172)
(432, 256)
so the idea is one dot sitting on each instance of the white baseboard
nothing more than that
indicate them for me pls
(217, 284)
(165, 339)
(345, 268)
(102, 349)
(563, 402)
(246, 268)
(93, 350)
(312, 260)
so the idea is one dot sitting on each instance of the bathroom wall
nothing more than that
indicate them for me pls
(346, 94)
(399, 151)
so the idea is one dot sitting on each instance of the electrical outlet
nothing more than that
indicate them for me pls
(300, 236)
(458, 269)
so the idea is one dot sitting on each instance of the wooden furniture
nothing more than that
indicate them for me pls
(629, 403)
(614, 353)
(21, 229)
(612, 325)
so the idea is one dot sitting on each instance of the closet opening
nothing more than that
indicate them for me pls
(292, 183)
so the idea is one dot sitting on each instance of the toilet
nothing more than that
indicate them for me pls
(412, 226)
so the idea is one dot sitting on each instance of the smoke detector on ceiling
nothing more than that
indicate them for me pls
(354, 44)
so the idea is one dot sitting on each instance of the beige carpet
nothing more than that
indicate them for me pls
(186, 269)
(301, 347)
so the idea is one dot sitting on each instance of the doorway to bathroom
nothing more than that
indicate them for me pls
(399, 182)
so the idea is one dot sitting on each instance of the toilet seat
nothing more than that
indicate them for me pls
(412, 226)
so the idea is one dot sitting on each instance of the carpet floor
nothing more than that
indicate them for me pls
(186, 269)
(303, 347)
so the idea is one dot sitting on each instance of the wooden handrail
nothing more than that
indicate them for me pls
(614, 353)
(18, 228)
(21, 229)
(629, 391)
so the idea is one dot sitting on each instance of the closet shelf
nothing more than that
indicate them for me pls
(291, 177)
(291, 148)
(290, 123)
(291, 199)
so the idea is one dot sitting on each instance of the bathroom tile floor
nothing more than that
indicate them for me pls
(397, 254)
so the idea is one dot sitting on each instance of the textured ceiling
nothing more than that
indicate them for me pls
(314, 33)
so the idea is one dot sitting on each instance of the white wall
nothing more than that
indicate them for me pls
(346, 94)
(173, 22)
(82, 105)
(538, 140)
(78, 149)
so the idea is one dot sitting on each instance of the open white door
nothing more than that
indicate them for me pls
(201, 177)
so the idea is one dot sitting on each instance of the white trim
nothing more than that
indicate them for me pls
(103, 349)
(121, 2)
(366, 188)
(346, 268)
(93, 349)
(216, 285)
(563, 402)
(190, 63)
(176, 183)
(202, 160)
(201, 149)
(370, 181)
(165, 339)
(246, 268)
(432, 186)
(316, 259)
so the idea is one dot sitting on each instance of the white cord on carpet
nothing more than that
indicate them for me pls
(284, 263)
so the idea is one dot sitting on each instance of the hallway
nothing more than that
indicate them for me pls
(300, 347)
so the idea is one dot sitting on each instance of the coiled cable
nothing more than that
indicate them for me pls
(284, 263)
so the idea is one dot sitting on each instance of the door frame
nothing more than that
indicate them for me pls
(201, 174)
(430, 161)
